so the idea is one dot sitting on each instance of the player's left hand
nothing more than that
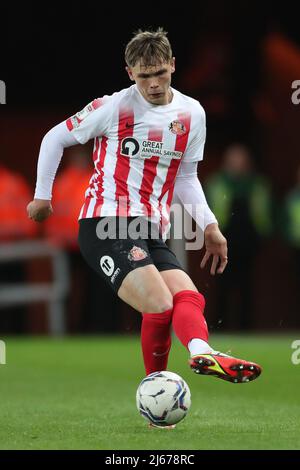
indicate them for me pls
(216, 246)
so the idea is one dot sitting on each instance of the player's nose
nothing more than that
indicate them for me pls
(153, 85)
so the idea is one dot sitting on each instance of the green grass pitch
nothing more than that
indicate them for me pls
(79, 393)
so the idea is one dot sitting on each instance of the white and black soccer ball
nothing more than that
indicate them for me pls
(163, 398)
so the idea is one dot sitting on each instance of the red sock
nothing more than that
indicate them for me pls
(188, 320)
(156, 340)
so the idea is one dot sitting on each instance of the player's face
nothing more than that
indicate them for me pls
(153, 81)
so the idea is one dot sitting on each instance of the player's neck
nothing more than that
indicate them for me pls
(170, 96)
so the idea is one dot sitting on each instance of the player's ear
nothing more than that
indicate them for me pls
(128, 70)
(172, 65)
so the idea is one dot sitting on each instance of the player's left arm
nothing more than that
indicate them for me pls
(189, 191)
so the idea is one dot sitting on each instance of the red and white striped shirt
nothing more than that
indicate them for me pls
(138, 148)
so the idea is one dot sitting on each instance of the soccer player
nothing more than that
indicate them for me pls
(148, 140)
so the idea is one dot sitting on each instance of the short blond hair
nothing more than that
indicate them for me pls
(148, 47)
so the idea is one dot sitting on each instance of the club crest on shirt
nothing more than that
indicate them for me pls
(137, 254)
(177, 127)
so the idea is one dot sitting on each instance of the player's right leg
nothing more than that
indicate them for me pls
(126, 266)
(144, 289)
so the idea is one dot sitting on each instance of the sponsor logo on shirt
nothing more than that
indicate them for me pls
(131, 147)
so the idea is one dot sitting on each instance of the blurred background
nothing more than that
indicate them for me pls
(239, 59)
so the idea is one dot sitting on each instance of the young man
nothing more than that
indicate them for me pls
(148, 140)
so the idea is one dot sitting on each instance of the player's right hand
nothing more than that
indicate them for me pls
(39, 209)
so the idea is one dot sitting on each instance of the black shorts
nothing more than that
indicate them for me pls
(119, 251)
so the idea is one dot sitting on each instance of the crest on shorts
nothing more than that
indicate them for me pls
(177, 127)
(137, 254)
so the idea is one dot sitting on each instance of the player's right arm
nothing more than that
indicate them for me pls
(51, 151)
(92, 121)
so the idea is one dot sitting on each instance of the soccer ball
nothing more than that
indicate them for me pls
(163, 398)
